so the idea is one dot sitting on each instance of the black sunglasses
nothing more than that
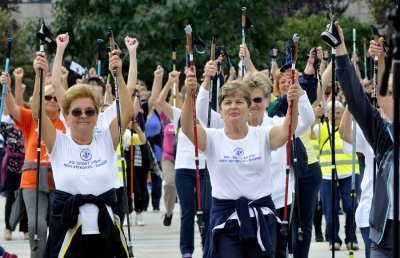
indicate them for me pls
(78, 112)
(257, 100)
(49, 98)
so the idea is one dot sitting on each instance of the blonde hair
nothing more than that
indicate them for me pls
(259, 80)
(80, 91)
(234, 88)
(48, 90)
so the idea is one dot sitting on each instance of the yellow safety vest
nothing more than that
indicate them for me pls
(343, 161)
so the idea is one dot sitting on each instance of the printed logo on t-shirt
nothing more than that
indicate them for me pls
(86, 154)
(239, 156)
(238, 152)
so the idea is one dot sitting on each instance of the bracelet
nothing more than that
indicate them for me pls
(8, 91)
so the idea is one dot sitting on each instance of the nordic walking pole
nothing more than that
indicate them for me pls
(353, 165)
(285, 223)
(112, 47)
(3, 92)
(199, 213)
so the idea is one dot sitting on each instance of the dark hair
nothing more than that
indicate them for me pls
(95, 81)
(234, 88)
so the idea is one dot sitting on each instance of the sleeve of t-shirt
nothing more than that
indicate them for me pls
(210, 132)
(266, 130)
(109, 114)
(26, 121)
(58, 142)
(176, 114)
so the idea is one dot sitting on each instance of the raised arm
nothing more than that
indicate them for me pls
(64, 77)
(19, 86)
(156, 88)
(161, 102)
(48, 130)
(57, 73)
(385, 102)
(138, 130)
(39, 62)
(345, 129)
(245, 53)
(186, 116)
(278, 135)
(9, 100)
(203, 98)
(126, 104)
(132, 45)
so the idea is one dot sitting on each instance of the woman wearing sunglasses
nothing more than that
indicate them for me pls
(23, 119)
(84, 212)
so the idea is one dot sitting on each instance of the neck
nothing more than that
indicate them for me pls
(53, 115)
(82, 138)
(236, 131)
(256, 121)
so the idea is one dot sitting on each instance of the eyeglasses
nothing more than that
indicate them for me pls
(49, 98)
(257, 100)
(78, 112)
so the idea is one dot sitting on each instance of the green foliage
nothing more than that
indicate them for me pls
(310, 28)
(155, 23)
(23, 48)
(379, 8)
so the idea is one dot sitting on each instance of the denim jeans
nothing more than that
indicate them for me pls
(185, 182)
(308, 188)
(343, 192)
(367, 241)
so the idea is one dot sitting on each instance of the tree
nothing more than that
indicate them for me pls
(155, 23)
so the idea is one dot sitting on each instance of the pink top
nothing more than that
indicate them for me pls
(168, 142)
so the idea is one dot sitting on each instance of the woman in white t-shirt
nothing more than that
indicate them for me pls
(83, 223)
(243, 216)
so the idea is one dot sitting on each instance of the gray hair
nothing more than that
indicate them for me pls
(338, 105)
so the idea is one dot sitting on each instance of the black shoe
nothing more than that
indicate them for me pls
(167, 220)
(319, 237)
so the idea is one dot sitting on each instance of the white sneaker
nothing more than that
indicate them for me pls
(126, 221)
(139, 220)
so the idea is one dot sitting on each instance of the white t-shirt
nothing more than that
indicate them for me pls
(364, 207)
(185, 149)
(239, 168)
(84, 169)
(103, 123)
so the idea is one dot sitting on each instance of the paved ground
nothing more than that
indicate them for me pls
(155, 241)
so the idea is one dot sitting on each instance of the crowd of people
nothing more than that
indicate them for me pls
(254, 194)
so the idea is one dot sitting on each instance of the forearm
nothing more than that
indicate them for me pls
(345, 129)
(163, 95)
(249, 65)
(126, 103)
(19, 93)
(141, 135)
(35, 98)
(367, 117)
(56, 80)
(155, 91)
(186, 117)
(132, 75)
(306, 115)
(202, 105)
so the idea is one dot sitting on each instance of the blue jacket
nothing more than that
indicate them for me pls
(378, 132)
